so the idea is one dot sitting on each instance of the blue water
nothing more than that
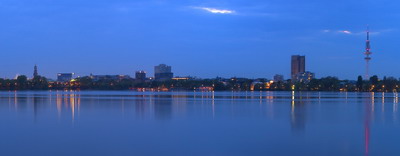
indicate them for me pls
(126, 123)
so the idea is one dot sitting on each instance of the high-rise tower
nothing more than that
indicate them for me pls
(35, 72)
(367, 57)
(298, 65)
(163, 72)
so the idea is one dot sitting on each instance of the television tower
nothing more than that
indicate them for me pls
(367, 53)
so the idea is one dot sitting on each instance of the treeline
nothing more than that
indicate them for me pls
(387, 84)
(373, 84)
(22, 83)
(86, 83)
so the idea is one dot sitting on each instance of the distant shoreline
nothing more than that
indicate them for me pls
(374, 84)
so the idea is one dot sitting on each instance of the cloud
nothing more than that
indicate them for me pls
(216, 11)
(345, 32)
(244, 11)
(355, 33)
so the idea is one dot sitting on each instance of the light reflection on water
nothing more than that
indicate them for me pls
(199, 123)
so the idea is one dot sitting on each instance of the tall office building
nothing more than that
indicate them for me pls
(298, 66)
(163, 72)
(140, 75)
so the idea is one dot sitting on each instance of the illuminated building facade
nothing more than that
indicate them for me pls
(305, 76)
(64, 77)
(109, 77)
(182, 78)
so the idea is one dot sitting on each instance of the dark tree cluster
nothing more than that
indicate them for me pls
(22, 83)
(374, 84)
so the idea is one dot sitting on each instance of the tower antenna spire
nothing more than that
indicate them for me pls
(367, 54)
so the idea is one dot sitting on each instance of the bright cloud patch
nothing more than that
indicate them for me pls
(217, 11)
(345, 32)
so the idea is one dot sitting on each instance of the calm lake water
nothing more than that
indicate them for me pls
(126, 123)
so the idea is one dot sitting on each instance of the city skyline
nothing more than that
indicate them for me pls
(199, 77)
(197, 38)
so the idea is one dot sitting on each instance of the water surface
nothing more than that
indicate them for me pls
(126, 123)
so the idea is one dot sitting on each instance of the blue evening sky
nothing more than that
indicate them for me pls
(203, 38)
